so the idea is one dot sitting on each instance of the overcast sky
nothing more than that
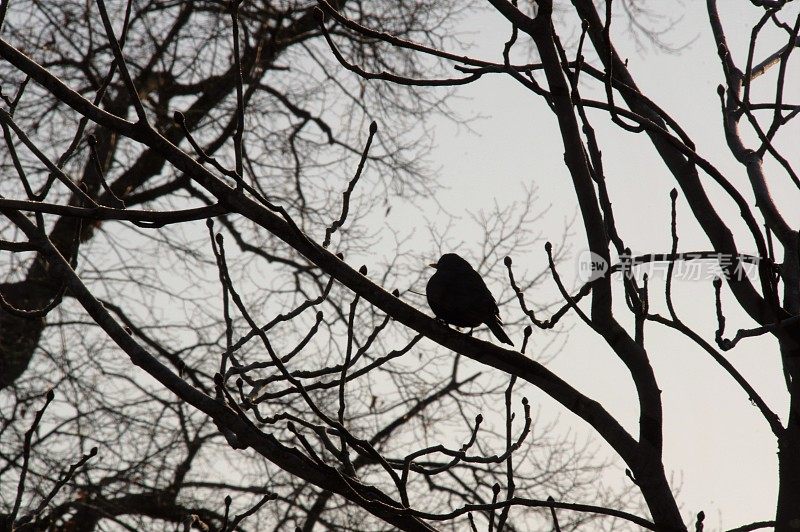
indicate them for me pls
(717, 446)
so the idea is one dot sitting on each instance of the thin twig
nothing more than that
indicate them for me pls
(26, 454)
(373, 128)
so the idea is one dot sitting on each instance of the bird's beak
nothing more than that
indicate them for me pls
(432, 266)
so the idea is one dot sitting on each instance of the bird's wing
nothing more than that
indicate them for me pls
(470, 300)
(487, 302)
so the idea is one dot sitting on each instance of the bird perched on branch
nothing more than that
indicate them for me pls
(457, 295)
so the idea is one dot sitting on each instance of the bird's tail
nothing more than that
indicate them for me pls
(497, 329)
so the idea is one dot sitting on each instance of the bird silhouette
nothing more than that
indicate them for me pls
(457, 295)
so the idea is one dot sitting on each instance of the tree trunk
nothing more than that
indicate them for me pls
(19, 336)
(787, 517)
(652, 482)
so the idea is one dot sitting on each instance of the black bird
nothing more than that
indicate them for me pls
(457, 295)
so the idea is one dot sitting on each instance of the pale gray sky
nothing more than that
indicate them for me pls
(719, 449)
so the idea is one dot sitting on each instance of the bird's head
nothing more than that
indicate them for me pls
(451, 261)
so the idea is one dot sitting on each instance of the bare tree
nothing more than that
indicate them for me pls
(340, 410)
(352, 406)
(181, 57)
(559, 80)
